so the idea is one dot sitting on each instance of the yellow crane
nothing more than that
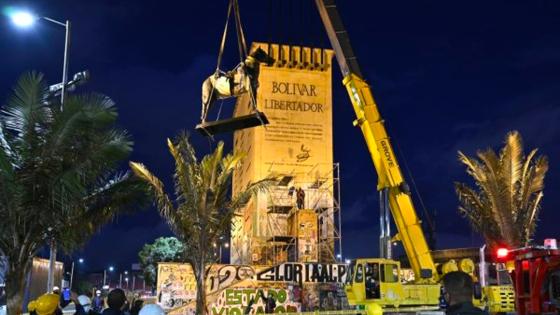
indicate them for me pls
(375, 282)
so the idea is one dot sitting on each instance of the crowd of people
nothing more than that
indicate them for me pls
(115, 303)
(457, 292)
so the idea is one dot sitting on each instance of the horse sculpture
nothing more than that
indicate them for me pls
(242, 79)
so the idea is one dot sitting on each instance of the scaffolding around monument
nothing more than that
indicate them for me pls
(310, 233)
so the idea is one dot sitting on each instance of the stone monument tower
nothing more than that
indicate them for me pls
(298, 218)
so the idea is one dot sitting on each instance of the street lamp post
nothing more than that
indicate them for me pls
(81, 261)
(66, 55)
(105, 275)
(26, 19)
(220, 246)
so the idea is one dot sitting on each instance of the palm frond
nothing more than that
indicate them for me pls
(474, 168)
(505, 206)
(243, 197)
(528, 162)
(510, 170)
(531, 221)
(475, 208)
(26, 110)
(8, 154)
(537, 182)
(511, 158)
(164, 203)
(98, 108)
(185, 178)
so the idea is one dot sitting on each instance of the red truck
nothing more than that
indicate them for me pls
(536, 278)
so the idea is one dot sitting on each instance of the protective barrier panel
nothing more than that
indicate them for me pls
(295, 287)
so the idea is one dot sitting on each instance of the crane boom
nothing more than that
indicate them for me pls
(369, 120)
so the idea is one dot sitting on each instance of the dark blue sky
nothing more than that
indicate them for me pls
(447, 76)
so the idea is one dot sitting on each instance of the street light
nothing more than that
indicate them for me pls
(226, 245)
(23, 19)
(111, 268)
(26, 19)
(81, 261)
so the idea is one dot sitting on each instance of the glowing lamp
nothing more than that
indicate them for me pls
(22, 18)
(502, 253)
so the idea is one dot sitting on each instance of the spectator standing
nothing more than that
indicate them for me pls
(458, 291)
(116, 302)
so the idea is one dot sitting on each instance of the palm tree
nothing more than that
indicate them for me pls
(58, 174)
(203, 209)
(505, 203)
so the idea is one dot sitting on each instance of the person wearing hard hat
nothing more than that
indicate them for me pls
(46, 304)
(151, 309)
(83, 305)
(32, 307)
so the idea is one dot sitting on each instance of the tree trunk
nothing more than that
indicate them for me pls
(15, 285)
(201, 289)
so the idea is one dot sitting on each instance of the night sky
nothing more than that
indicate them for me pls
(447, 76)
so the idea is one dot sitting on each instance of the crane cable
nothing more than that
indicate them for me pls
(408, 171)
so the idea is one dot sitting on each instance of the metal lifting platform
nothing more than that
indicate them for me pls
(211, 128)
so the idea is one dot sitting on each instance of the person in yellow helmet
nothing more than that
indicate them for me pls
(46, 304)
(32, 307)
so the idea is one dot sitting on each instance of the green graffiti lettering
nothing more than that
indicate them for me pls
(233, 297)
(248, 294)
(280, 309)
(291, 309)
(281, 296)
(235, 311)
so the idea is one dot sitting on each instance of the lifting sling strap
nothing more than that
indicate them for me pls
(233, 6)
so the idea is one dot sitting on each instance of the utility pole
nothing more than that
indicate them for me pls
(52, 262)
(71, 275)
